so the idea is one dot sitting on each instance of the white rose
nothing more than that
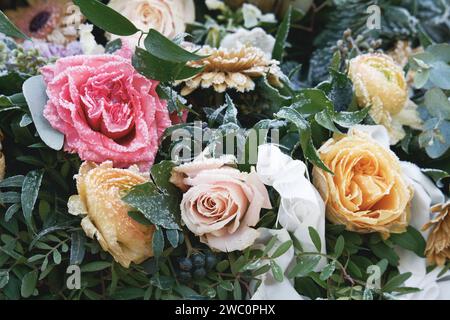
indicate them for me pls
(169, 17)
(256, 37)
(301, 206)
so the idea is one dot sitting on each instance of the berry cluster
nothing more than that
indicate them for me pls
(196, 266)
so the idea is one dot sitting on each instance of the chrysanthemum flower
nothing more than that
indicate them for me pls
(232, 69)
(438, 244)
(56, 21)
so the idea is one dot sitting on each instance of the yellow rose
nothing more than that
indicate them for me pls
(380, 84)
(100, 189)
(367, 192)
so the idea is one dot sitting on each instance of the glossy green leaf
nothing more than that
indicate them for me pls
(165, 49)
(106, 18)
(9, 29)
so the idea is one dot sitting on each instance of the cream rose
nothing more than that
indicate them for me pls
(367, 192)
(221, 204)
(380, 84)
(99, 199)
(169, 17)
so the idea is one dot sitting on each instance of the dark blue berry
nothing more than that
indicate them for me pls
(198, 260)
(185, 264)
(211, 261)
(184, 276)
(199, 273)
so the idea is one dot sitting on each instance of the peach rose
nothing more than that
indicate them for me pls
(221, 203)
(106, 218)
(367, 192)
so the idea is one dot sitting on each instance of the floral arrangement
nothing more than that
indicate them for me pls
(168, 149)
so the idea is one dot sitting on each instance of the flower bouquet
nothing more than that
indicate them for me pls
(180, 149)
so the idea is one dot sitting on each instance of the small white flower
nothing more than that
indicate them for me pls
(215, 5)
(87, 40)
(256, 37)
(252, 16)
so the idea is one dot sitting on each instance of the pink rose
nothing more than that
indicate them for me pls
(105, 109)
(220, 204)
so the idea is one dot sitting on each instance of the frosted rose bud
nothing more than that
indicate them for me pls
(99, 199)
(105, 109)
(220, 203)
(380, 84)
(367, 192)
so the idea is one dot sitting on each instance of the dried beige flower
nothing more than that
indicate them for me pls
(99, 199)
(232, 69)
(438, 244)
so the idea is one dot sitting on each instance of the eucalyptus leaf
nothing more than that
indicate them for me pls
(34, 90)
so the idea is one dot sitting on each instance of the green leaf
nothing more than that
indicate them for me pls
(29, 283)
(314, 235)
(311, 101)
(113, 46)
(158, 69)
(95, 266)
(339, 246)
(262, 270)
(12, 182)
(12, 210)
(230, 111)
(437, 103)
(9, 29)
(56, 257)
(106, 18)
(281, 37)
(396, 282)
(158, 208)
(77, 249)
(305, 265)
(410, 240)
(30, 191)
(165, 49)
(223, 266)
(4, 278)
(174, 237)
(139, 217)
(281, 249)
(328, 271)
(161, 173)
(383, 251)
(304, 129)
(348, 119)
(158, 242)
(277, 272)
(237, 292)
